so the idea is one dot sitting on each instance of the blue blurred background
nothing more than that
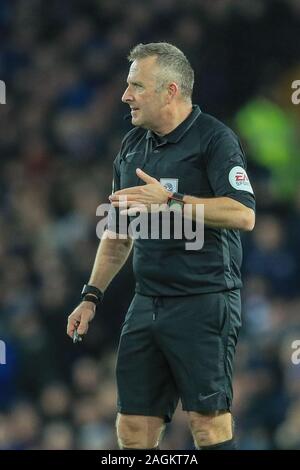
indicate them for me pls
(65, 68)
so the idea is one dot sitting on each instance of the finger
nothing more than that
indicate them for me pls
(124, 204)
(145, 177)
(127, 197)
(133, 190)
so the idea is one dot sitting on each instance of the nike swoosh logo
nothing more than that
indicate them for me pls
(129, 156)
(131, 153)
(205, 397)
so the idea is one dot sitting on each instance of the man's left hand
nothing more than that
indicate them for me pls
(140, 198)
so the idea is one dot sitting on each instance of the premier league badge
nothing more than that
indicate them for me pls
(170, 184)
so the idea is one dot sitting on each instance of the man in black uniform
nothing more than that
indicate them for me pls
(179, 335)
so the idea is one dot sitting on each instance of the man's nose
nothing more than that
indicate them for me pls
(127, 97)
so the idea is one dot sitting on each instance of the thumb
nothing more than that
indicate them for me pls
(83, 327)
(145, 177)
(84, 323)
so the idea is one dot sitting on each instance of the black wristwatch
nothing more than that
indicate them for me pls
(176, 199)
(91, 294)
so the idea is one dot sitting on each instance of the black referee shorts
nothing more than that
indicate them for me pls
(178, 347)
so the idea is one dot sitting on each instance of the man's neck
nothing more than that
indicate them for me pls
(173, 119)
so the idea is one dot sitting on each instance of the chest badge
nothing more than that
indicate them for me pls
(171, 184)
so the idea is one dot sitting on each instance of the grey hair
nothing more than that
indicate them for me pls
(173, 64)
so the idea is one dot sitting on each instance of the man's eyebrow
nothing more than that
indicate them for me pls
(133, 82)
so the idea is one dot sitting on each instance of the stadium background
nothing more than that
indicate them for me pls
(64, 65)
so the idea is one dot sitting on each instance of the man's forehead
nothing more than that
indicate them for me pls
(143, 66)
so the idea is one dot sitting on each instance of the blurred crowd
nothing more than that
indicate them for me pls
(65, 68)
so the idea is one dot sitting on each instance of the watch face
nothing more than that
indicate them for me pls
(177, 205)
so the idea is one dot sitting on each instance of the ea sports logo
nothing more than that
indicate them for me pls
(241, 177)
(238, 179)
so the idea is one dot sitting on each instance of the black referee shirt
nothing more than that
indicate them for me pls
(201, 157)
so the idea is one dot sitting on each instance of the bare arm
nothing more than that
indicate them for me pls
(111, 256)
(220, 212)
(223, 212)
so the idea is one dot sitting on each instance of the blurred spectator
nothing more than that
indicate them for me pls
(57, 436)
(271, 257)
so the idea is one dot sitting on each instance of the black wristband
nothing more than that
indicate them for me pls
(90, 298)
(92, 294)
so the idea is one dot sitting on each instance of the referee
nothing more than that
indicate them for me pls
(179, 336)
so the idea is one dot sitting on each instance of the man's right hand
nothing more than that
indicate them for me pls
(80, 318)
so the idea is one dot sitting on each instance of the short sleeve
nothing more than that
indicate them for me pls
(116, 176)
(226, 169)
(116, 222)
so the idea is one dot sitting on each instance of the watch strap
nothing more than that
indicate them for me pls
(175, 198)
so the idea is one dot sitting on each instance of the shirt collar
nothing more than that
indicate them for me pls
(179, 131)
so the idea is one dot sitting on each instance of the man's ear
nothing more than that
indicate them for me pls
(172, 91)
